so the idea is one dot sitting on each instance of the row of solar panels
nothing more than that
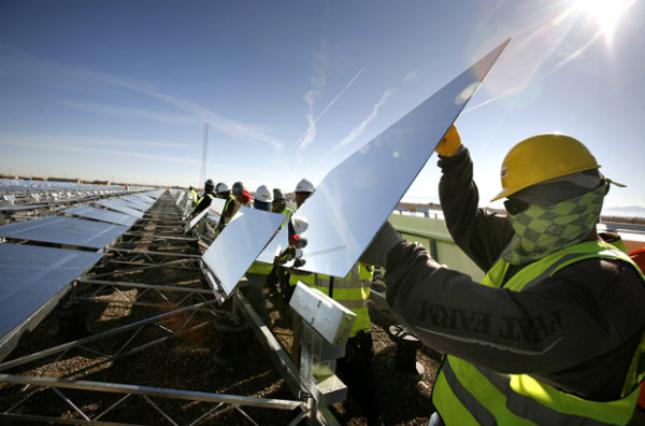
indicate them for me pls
(33, 278)
(353, 200)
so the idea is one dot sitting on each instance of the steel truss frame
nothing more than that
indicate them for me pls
(192, 302)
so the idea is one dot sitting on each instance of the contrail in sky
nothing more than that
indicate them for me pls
(329, 105)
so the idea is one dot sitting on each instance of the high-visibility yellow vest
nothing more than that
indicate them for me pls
(468, 394)
(194, 196)
(229, 200)
(198, 199)
(353, 292)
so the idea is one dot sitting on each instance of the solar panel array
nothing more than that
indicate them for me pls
(33, 278)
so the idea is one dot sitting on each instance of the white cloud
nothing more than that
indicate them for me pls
(310, 134)
(94, 145)
(410, 76)
(100, 108)
(21, 65)
(357, 131)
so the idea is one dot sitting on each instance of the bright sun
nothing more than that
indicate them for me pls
(605, 12)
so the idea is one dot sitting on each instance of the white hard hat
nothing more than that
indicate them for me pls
(305, 186)
(300, 224)
(222, 187)
(263, 194)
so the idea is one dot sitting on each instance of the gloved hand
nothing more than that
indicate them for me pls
(450, 144)
(384, 240)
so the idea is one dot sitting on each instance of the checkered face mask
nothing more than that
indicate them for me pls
(540, 231)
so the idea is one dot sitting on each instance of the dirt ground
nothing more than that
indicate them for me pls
(220, 357)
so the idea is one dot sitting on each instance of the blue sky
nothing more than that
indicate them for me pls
(122, 89)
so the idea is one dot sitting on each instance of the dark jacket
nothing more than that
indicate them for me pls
(593, 309)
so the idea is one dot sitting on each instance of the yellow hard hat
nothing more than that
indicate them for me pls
(542, 158)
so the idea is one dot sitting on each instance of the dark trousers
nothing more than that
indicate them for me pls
(356, 370)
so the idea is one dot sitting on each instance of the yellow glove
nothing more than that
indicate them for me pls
(450, 143)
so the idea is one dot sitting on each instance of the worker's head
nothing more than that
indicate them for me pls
(263, 198)
(209, 186)
(304, 189)
(279, 201)
(238, 189)
(222, 190)
(190, 188)
(554, 195)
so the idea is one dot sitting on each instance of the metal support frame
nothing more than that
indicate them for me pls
(302, 382)
(105, 279)
(135, 328)
(221, 402)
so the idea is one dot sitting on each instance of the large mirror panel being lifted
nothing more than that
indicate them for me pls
(356, 197)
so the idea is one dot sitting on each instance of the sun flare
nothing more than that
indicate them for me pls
(606, 13)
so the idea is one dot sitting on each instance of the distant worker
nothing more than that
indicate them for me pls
(238, 197)
(262, 199)
(205, 200)
(553, 334)
(222, 191)
(279, 204)
(193, 195)
(258, 272)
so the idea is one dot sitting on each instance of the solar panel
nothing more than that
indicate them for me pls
(102, 215)
(145, 199)
(356, 197)
(237, 246)
(134, 203)
(32, 280)
(118, 206)
(64, 230)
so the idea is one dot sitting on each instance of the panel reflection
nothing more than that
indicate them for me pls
(237, 246)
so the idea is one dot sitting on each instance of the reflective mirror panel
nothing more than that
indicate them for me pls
(237, 246)
(135, 203)
(356, 197)
(120, 207)
(276, 246)
(31, 276)
(102, 215)
(64, 230)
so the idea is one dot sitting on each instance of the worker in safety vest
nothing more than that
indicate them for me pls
(222, 191)
(258, 272)
(239, 197)
(553, 334)
(353, 292)
(193, 195)
(278, 280)
(203, 202)
(279, 204)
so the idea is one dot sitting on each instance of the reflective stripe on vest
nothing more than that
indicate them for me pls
(198, 199)
(466, 394)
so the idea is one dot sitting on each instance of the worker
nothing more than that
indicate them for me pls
(279, 204)
(553, 334)
(262, 199)
(193, 195)
(241, 195)
(353, 292)
(203, 202)
(238, 197)
(222, 191)
(258, 272)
